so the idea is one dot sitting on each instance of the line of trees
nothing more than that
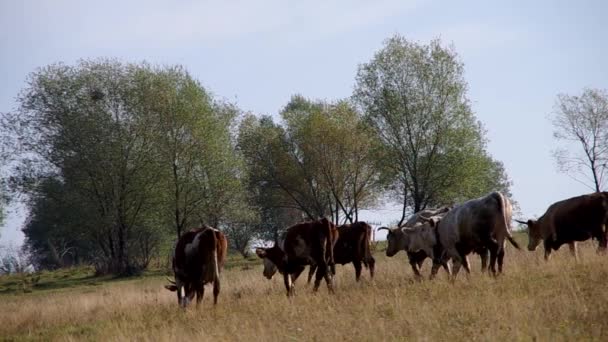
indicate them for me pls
(118, 159)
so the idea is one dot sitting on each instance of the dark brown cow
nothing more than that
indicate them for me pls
(352, 246)
(565, 222)
(198, 258)
(307, 243)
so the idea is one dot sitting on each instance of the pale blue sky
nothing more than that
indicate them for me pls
(518, 56)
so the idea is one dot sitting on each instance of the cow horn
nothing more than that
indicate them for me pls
(381, 228)
(171, 281)
(424, 218)
(522, 222)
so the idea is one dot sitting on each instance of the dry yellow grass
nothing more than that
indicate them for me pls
(558, 300)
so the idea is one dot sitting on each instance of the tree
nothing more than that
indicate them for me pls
(195, 148)
(583, 121)
(337, 151)
(414, 97)
(89, 127)
(322, 161)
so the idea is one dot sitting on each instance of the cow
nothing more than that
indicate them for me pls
(416, 238)
(307, 243)
(352, 245)
(566, 222)
(198, 259)
(482, 223)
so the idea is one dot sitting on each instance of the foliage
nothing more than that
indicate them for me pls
(321, 161)
(195, 150)
(583, 121)
(414, 97)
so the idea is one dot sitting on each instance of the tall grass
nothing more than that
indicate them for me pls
(559, 300)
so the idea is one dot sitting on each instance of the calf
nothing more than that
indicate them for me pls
(308, 243)
(198, 259)
(417, 238)
(565, 222)
(352, 245)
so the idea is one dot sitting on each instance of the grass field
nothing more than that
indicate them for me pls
(562, 300)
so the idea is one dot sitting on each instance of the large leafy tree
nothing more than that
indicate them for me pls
(147, 148)
(88, 126)
(414, 97)
(321, 161)
(196, 152)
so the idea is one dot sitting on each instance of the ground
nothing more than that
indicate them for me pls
(534, 300)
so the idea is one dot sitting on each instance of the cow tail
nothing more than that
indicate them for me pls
(507, 230)
(366, 246)
(329, 246)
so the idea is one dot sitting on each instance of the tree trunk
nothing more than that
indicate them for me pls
(403, 209)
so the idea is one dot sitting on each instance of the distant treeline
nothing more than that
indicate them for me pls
(118, 159)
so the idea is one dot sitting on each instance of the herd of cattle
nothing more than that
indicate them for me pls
(480, 226)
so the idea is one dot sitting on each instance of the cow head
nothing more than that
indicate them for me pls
(185, 291)
(273, 260)
(534, 234)
(396, 240)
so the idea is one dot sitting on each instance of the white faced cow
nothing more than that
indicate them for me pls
(198, 258)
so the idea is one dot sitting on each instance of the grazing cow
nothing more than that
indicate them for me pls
(482, 223)
(198, 258)
(352, 246)
(574, 219)
(307, 243)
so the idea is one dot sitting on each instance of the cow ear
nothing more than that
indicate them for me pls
(172, 288)
(261, 252)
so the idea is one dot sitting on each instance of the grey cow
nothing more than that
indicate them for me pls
(417, 237)
(482, 223)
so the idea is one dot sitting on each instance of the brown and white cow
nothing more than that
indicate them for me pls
(352, 246)
(198, 259)
(307, 243)
(476, 224)
(565, 222)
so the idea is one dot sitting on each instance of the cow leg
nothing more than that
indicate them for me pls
(288, 284)
(500, 257)
(216, 289)
(322, 272)
(465, 263)
(296, 273)
(493, 247)
(358, 268)
(371, 264)
(547, 246)
(416, 263)
(311, 272)
(572, 247)
(416, 269)
(440, 263)
(200, 292)
(603, 240)
(483, 255)
(456, 263)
